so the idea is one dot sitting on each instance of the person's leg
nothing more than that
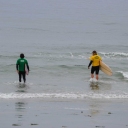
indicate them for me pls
(97, 77)
(92, 75)
(24, 77)
(97, 72)
(92, 72)
(19, 76)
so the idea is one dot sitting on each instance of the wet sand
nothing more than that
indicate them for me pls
(45, 113)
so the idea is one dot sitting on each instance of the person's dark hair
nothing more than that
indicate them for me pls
(21, 55)
(94, 52)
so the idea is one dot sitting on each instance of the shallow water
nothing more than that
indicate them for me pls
(57, 38)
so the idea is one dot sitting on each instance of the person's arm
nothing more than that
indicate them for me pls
(90, 64)
(28, 67)
(17, 68)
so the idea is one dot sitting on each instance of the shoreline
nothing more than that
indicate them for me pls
(63, 113)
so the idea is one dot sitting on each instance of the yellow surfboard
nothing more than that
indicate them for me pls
(105, 68)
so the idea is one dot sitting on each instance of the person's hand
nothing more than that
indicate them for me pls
(17, 71)
(88, 67)
(28, 72)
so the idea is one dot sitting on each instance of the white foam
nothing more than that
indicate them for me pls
(114, 54)
(125, 74)
(64, 95)
(93, 80)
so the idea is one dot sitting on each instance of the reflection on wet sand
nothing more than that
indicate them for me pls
(95, 105)
(20, 106)
(94, 109)
(20, 110)
(22, 87)
(94, 87)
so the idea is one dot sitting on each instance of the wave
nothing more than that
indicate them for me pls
(69, 55)
(9, 56)
(114, 54)
(72, 66)
(90, 95)
(80, 56)
(124, 74)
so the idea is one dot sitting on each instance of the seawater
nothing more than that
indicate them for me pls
(57, 38)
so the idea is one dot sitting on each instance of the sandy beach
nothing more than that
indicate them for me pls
(38, 113)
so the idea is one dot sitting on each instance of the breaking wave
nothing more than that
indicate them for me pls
(124, 74)
(114, 54)
(90, 95)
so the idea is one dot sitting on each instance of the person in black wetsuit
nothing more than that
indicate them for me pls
(20, 67)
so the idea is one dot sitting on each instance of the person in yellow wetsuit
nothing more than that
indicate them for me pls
(95, 62)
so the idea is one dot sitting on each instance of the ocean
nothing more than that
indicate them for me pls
(57, 38)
